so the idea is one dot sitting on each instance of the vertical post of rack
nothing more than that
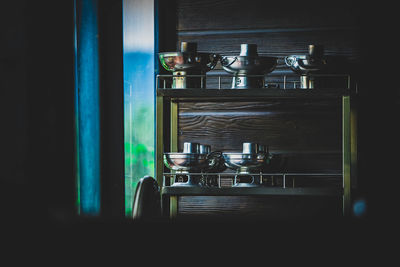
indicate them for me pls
(174, 126)
(174, 148)
(346, 154)
(353, 145)
(159, 139)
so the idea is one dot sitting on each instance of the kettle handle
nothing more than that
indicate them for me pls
(289, 60)
(227, 65)
(215, 58)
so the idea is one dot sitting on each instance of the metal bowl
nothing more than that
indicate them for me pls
(248, 64)
(186, 161)
(302, 64)
(182, 61)
(245, 162)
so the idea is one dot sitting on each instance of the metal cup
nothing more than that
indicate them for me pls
(250, 148)
(204, 149)
(316, 51)
(262, 149)
(191, 147)
(188, 47)
(248, 50)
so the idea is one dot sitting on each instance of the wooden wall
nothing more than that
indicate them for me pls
(311, 129)
(308, 132)
(279, 28)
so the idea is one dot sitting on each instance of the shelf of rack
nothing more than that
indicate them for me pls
(167, 115)
(198, 94)
(256, 190)
(250, 191)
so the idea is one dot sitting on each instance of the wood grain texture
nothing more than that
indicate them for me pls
(257, 207)
(278, 28)
(231, 14)
(307, 132)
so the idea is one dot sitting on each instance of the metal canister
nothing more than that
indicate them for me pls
(250, 148)
(193, 148)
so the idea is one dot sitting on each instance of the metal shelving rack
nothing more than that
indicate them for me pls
(171, 97)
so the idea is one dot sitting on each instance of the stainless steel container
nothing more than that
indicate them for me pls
(252, 160)
(186, 161)
(250, 148)
(314, 68)
(194, 158)
(248, 68)
(188, 62)
(204, 149)
(191, 147)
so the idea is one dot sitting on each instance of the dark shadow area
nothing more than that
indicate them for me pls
(38, 192)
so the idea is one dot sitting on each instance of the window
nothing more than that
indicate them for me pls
(139, 98)
(139, 94)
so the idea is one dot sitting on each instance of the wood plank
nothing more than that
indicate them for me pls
(253, 191)
(307, 133)
(223, 14)
(303, 126)
(257, 207)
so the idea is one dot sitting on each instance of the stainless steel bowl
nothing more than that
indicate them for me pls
(248, 68)
(248, 65)
(312, 62)
(182, 61)
(303, 65)
(186, 161)
(245, 163)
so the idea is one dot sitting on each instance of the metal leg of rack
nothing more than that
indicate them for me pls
(159, 140)
(174, 148)
(284, 181)
(346, 157)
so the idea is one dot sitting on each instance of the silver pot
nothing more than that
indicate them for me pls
(186, 161)
(194, 158)
(247, 66)
(188, 62)
(245, 163)
(315, 62)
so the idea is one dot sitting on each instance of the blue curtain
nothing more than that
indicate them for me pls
(87, 106)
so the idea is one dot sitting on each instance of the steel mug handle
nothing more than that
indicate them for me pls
(214, 60)
(227, 65)
(289, 60)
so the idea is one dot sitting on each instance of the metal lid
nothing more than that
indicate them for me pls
(316, 51)
(191, 147)
(188, 47)
(250, 148)
(248, 50)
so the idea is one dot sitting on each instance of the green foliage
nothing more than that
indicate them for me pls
(139, 150)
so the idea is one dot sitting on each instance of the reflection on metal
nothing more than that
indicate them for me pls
(315, 62)
(219, 81)
(87, 106)
(248, 63)
(188, 61)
